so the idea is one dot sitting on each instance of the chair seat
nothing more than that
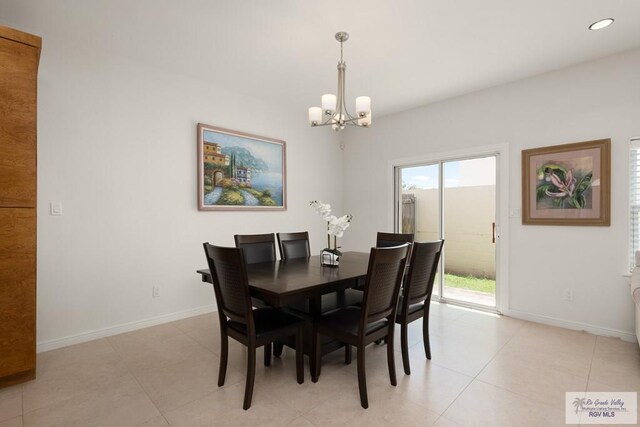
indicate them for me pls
(414, 308)
(267, 321)
(346, 320)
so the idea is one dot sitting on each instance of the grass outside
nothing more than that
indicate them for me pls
(478, 284)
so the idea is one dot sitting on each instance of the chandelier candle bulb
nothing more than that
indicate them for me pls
(363, 105)
(315, 115)
(329, 103)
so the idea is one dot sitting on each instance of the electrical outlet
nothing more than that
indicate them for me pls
(156, 291)
(568, 295)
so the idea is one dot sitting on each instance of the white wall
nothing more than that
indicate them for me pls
(599, 99)
(117, 146)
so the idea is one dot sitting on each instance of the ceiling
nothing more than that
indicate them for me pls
(402, 53)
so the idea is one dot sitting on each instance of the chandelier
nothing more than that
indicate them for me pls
(334, 110)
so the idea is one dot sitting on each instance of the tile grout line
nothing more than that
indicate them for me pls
(186, 403)
(539, 402)
(133, 375)
(528, 397)
(68, 398)
(312, 423)
(475, 378)
(456, 398)
(518, 393)
(593, 354)
(500, 350)
(136, 380)
(441, 416)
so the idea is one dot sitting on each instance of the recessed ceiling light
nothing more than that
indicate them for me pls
(603, 23)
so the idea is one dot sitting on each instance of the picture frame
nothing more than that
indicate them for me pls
(239, 171)
(567, 184)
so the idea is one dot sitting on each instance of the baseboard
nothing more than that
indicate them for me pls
(122, 328)
(166, 318)
(568, 324)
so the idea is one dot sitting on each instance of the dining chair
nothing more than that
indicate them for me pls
(374, 320)
(291, 245)
(385, 240)
(416, 295)
(294, 245)
(257, 247)
(238, 319)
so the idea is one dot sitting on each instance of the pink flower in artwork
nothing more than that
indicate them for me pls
(566, 188)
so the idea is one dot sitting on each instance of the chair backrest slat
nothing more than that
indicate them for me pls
(257, 247)
(294, 245)
(385, 240)
(418, 284)
(229, 274)
(382, 286)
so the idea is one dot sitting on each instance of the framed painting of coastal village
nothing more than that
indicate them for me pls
(567, 184)
(239, 171)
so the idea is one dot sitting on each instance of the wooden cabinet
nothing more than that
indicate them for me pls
(19, 57)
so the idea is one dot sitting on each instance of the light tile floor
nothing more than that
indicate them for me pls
(486, 371)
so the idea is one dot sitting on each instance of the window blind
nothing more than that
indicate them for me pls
(634, 201)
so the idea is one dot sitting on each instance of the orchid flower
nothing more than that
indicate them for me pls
(323, 209)
(566, 188)
(335, 226)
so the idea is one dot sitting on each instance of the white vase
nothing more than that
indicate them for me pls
(329, 259)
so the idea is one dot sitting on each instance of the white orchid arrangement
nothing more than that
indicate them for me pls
(335, 225)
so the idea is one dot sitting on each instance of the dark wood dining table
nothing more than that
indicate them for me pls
(298, 281)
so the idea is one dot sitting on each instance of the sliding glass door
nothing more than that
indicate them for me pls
(455, 200)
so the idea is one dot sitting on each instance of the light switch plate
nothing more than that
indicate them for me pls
(515, 212)
(55, 208)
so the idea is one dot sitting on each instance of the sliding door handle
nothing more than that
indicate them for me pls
(493, 232)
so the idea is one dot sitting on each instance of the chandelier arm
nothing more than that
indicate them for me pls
(328, 121)
(348, 116)
(353, 122)
(323, 124)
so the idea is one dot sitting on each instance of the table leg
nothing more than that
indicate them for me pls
(315, 309)
(277, 348)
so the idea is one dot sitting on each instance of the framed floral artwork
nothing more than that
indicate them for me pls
(240, 171)
(567, 184)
